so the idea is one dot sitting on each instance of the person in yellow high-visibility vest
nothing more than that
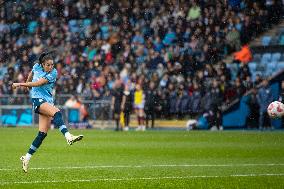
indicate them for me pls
(139, 101)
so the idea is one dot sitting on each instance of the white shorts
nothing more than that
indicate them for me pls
(139, 106)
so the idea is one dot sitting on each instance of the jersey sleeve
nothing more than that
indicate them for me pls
(34, 67)
(51, 77)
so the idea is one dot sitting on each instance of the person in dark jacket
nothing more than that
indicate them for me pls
(264, 98)
(217, 99)
(182, 102)
(116, 102)
(211, 101)
(151, 101)
(172, 98)
(253, 117)
(127, 101)
(195, 105)
(162, 104)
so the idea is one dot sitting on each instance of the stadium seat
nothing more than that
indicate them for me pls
(252, 66)
(281, 41)
(261, 67)
(281, 57)
(266, 40)
(275, 57)
(280, 66)
(270, 69)
(266, 57)
(256, 57)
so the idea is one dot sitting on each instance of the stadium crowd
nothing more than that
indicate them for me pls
(103, 45)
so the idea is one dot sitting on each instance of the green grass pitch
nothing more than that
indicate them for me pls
(151, 159)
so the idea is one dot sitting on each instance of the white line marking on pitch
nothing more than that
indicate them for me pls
(149, 166)
(141, 178)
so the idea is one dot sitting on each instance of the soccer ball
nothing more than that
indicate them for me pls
(275, 109)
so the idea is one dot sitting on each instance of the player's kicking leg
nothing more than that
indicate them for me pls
(54, 112)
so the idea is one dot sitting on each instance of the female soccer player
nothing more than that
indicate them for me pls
(42, 79)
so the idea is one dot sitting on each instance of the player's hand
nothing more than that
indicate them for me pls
(15, 85)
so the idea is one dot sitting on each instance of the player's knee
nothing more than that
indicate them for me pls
(58, 119)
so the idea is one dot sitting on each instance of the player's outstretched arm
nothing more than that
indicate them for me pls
(30, 77)
(38, 83)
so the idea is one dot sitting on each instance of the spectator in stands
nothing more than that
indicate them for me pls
(195, 105)
(244, 55)
(258, 80)
(243, 71)
(172, 97)
(264, 98)
(248, 84)
(233, 39)
(84, 115)
(239, 88)
(224, 71)
(194, 12)
(70, 103)
(76, 102)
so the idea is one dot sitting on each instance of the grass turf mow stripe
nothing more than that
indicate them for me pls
(149, 166)
(142, 178)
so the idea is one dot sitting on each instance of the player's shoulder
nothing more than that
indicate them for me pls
(36, 66)
(51, 76)
(54, 72)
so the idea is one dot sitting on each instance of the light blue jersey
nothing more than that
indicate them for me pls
(44, 91)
